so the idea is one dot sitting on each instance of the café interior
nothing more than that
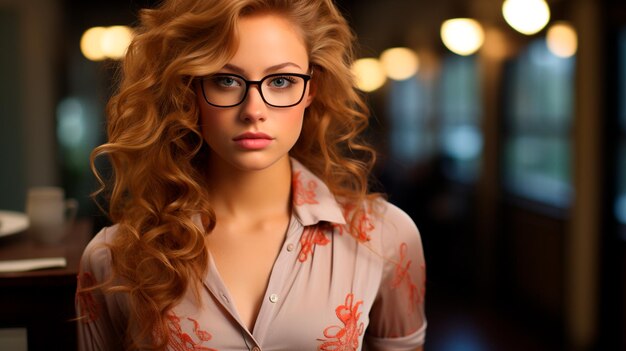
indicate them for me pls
(501, 131)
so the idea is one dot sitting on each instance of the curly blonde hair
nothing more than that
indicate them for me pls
(158, 154)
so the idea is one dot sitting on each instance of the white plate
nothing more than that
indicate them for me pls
(12, 222)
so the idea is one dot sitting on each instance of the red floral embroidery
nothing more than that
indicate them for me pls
(344, 338)
(360, 224)
(363, 226)
(89, 307)
(301, 194)
(312, 235)
(402, 274)
(181, 341)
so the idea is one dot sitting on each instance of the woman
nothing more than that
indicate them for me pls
(239, 193)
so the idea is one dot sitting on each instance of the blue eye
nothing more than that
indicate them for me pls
(227, 81)
(282, 82)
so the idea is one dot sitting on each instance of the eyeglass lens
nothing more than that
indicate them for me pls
(277, 90)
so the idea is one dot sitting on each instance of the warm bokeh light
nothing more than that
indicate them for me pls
(463, 36)
(526, 16)
(562, 39)
(90, 43)
(369, 74)
(115, 41)
(99, 43)
(399, 63)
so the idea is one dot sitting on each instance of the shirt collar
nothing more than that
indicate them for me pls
(312, 200)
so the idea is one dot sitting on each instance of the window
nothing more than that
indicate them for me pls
(538, 117)
(460, 137)
(410, 138)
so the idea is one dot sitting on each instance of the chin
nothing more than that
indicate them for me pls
(254, 161)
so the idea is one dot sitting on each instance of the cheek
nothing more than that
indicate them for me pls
(294, 122)
(211, 121)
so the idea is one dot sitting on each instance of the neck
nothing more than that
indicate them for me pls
(243, 193)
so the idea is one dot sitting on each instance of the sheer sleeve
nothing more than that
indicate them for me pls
(97, 313)
(397, 319)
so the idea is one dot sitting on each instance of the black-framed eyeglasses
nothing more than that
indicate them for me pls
(277, 90)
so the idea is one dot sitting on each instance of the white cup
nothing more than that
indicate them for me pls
(49, 213)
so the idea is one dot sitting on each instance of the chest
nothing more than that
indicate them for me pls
(247, 262)
(243, 258)
(319, 291)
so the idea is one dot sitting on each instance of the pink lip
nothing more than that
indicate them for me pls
(253, 141)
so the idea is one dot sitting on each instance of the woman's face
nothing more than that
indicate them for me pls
(254, 135)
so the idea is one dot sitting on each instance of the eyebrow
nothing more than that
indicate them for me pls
(242, 71)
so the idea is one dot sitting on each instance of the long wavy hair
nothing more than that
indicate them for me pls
(158, 155)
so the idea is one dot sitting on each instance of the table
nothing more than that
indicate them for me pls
(43, 301)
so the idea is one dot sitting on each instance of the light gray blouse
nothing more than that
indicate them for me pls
(327, 290)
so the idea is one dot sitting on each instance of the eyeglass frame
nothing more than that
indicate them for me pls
(248, 83)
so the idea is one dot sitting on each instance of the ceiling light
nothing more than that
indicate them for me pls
(463, 36)
(526, 16)
(562, 39)
(399, 63)
(369, 74)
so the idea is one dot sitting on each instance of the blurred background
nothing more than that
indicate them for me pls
(501, 127)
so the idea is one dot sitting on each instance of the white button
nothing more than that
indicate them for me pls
(273, 298)
(290, 247)
(225, 297)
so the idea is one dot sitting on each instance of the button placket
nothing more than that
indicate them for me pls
(276, 283)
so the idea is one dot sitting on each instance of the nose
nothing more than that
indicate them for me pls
(254, 108)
